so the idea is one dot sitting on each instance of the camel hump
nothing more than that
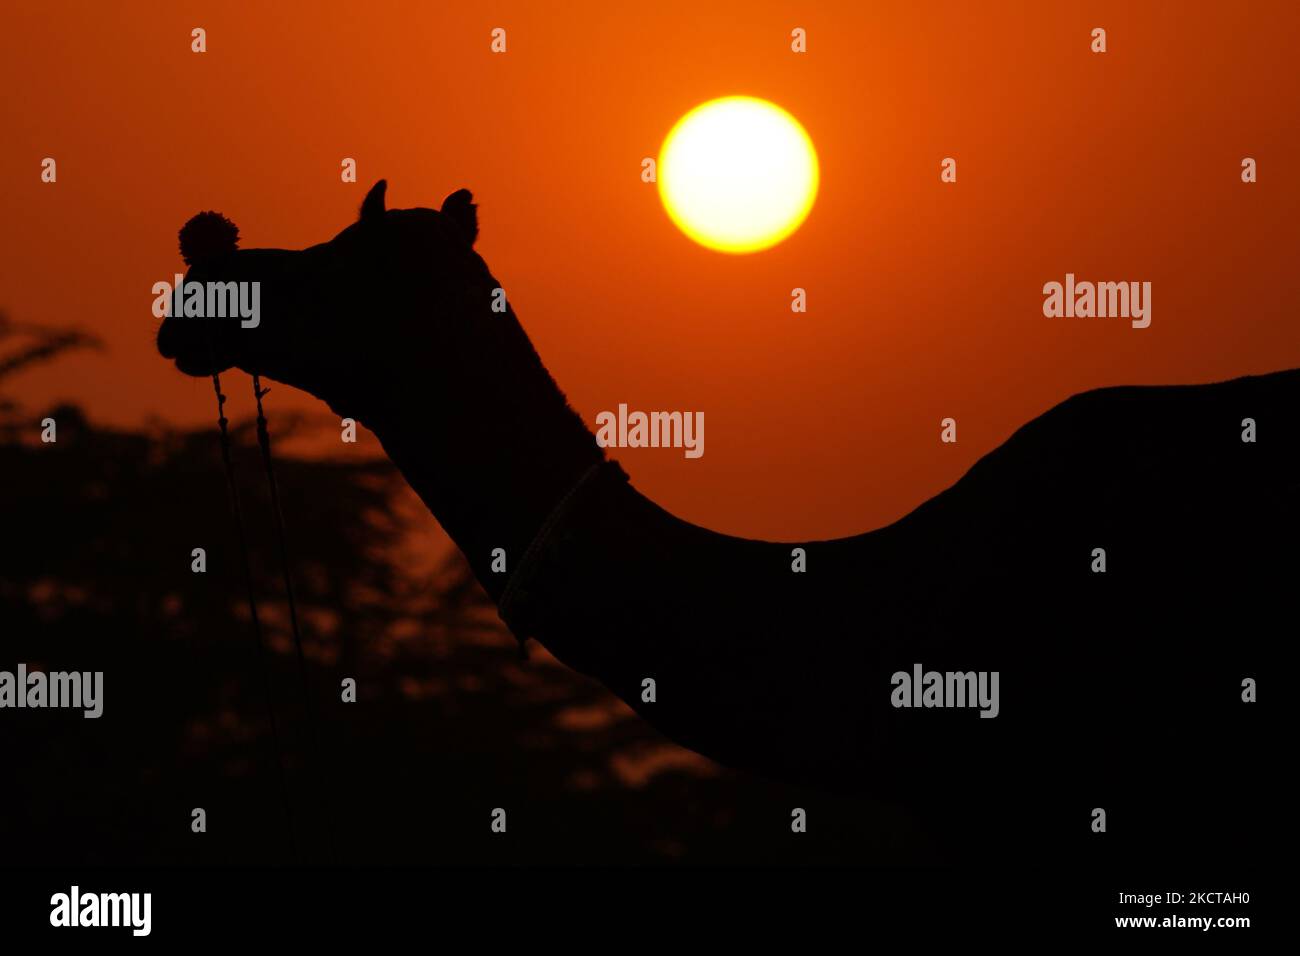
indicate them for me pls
(461, 209)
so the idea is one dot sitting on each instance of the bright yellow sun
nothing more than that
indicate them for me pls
(738, 174)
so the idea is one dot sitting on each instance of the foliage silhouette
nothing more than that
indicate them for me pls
(96, 575)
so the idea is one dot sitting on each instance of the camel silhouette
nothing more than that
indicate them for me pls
(1120, 689)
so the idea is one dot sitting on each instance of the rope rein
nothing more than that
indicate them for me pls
(204, 237)
(309, 699)
(264, 442)
(242, 540)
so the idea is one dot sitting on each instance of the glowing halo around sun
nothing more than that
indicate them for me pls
(738, 174)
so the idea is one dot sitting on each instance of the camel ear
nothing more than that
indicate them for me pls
(460, 208)
(373, 205)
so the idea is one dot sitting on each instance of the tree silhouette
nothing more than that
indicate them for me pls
(96, 574)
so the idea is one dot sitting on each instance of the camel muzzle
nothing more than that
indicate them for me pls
(225, 312)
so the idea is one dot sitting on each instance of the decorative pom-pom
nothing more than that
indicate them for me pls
(207, 235)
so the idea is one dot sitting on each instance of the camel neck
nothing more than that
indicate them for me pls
(492, 468)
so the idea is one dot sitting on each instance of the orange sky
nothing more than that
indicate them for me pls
(924, 299)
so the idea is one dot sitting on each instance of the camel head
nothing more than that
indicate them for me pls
(334, 318)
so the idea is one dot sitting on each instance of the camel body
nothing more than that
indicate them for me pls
(1119, 688)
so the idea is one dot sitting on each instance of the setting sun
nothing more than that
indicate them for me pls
(738, 174)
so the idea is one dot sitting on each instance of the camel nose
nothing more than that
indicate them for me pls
(175, 335)
(234, 311)
(195, 345)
